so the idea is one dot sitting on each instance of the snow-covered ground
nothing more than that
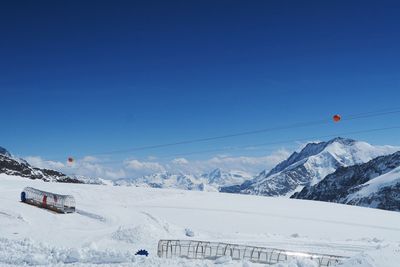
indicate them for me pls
(112, 223)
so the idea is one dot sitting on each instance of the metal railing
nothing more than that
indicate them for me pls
(192, 249)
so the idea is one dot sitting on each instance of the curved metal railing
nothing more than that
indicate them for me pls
(192, 249)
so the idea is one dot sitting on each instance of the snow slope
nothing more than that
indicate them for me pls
(380, 192)
(114, 222)
(388, 179)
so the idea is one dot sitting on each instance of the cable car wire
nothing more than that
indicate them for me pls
(285, 127)
(259, 145)
(376, 113)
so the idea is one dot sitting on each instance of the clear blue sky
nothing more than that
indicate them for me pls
(80, 77)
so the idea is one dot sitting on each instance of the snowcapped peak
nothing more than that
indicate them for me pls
(309, 150)
(215, 173)
(4, 152)
(344, 150)
(90, 180)
(224, 178)
(342, 140)
(309, 166)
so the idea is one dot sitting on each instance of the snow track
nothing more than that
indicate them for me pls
(272, 215)
(91, 215)
(11, 215)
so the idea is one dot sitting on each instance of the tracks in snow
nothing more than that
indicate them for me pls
(91, 215)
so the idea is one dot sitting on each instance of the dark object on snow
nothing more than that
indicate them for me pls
(189, 232)
(23, 196)
(142, 252)
(47, 200)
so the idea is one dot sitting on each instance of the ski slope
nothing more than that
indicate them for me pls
(112, 223)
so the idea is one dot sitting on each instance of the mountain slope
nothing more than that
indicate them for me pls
(4, 152)
(309, 166)
(18, 167)
(372, 184)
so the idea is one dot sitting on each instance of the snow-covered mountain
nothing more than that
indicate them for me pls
(11, 165)
(373, 184)
(309, 166)
(91, 180)
(4, 152)
(211, 181)
(219, 177)
(165, 180)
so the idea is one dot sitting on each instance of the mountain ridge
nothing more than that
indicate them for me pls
(11, 165)
(309, 166)
(210, 181)
(347, 185)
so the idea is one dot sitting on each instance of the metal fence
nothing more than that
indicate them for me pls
(48, 200)
(212, 250)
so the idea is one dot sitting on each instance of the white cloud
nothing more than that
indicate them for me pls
(113, 175)
(144, 166)
(252, 165)
(248, 164)
(180, 161)
(90, 159)
(39, 162)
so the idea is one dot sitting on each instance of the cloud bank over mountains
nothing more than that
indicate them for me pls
(91, 166)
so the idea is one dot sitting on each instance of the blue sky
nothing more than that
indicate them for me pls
(85, 77)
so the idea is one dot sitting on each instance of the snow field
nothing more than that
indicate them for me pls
(112, 223)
